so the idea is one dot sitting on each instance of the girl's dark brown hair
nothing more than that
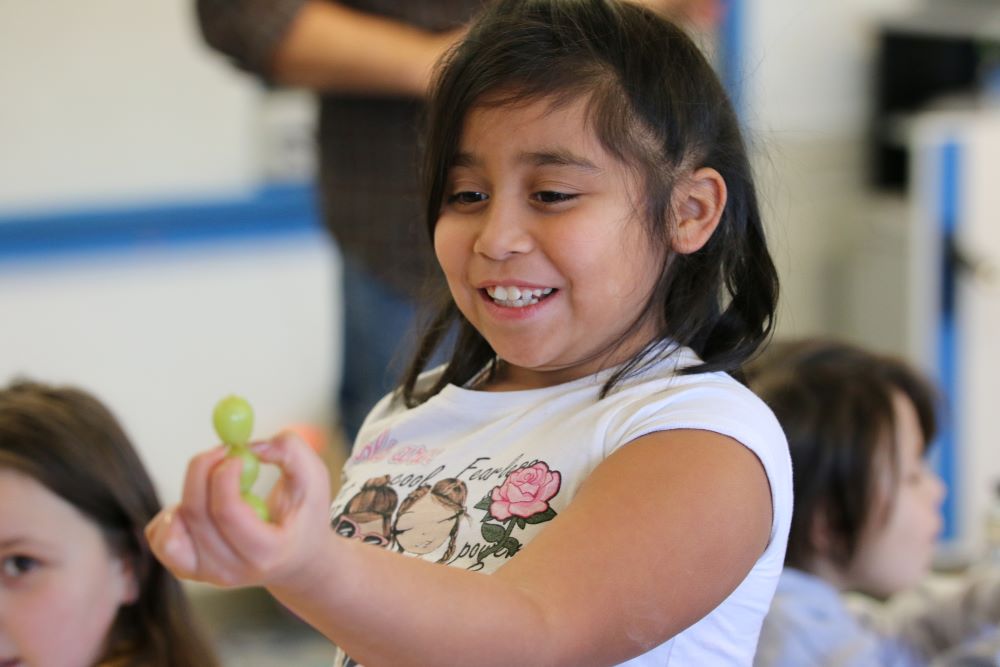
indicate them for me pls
(655, 103)
(834, 402)
(70, 443)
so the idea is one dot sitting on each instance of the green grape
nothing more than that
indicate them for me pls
(251, 466)
(233, 420)
(258, 506)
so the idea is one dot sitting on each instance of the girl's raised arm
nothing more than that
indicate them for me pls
(660, 534)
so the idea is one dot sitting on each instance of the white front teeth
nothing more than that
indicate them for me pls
(516, 297)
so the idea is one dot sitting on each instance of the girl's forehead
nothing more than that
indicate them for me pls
(540, 106)
(14, 480)
(30, 509)
(535, 133)
(582, 118)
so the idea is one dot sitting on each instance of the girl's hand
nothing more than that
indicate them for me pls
(212, 535)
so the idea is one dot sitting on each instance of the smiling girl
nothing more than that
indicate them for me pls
(591, 207)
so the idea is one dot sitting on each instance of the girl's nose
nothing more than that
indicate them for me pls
(502, 232)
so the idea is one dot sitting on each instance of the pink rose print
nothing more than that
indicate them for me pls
(522, 500)
(525, 492)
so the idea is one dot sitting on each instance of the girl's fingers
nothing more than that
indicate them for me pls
(248, 541)
(214, 535)
(299, 503)
(301, 467)
(230, 513)
(305, 481)
(211, 553)
(171, 543)
(194, 496)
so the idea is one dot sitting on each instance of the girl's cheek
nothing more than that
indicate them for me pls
(445, 244)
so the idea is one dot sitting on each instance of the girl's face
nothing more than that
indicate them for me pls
(60, 586)
(541, 241)
(897, 543)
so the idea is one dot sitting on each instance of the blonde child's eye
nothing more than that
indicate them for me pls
(552, 197)
(467, 197)
(17, 566)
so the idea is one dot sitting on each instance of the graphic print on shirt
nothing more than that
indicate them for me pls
(429, 516)
(367, 516)
(522, 499)
(429, 521)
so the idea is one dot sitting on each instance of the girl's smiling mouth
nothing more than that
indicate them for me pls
(517, 297)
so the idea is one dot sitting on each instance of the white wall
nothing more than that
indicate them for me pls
(808, 89)
(114, 105)
(808, 63)
(117, 100)
(161, 334)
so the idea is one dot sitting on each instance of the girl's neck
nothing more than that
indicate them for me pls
(514, 378)
(509, 377)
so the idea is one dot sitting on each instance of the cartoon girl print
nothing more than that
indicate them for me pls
(367, 516)
(429, 516)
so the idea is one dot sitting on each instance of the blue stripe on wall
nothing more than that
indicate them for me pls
(269, 212)
(946, 448)
(731, 50)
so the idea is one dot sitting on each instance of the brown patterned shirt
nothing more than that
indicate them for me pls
(368, 154)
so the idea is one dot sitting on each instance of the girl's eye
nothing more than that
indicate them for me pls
(17, 566)
(551, 197)
(467, 197)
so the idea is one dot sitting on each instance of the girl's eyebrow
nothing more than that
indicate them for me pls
(550, 157)
(559, 157)
(17, 542)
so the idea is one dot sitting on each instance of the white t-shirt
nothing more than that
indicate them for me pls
(469, 477)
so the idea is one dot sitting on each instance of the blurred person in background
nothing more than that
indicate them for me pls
(79, 586)
(866, 518)
(370, 62)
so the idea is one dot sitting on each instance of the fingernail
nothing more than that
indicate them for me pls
(170, 547)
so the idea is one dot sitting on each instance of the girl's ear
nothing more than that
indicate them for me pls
(698, 204)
